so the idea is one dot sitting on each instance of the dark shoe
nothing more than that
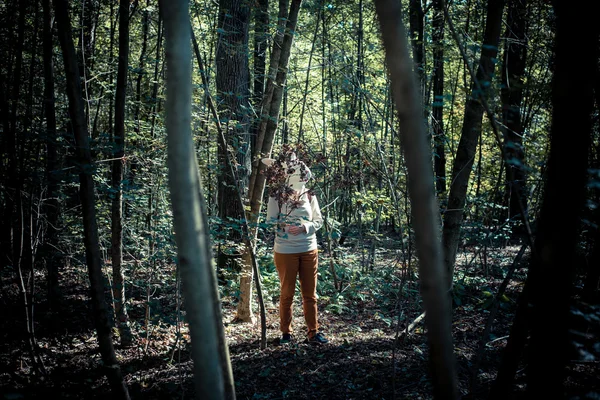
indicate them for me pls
(318, 338)
(285, 338)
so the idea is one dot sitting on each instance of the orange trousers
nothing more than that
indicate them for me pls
(289, 266)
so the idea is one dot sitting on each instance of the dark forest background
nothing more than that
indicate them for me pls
(94, 300)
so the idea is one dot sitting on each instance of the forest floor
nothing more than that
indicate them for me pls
(363, 359)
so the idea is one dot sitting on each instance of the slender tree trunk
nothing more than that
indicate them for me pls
(266, 134)
(111, 58)
(261, 44)
(422, 195)
(307, 79)
(230, 163)
(154, 96)
(90, 228)
(10, 229)
(417, 41)
(513, 70)
(471, 130)
(274, 61)
(122, 319)
(552, 269)
(439, 136)
(142, 65)
(86, 47)
(285, 129)
(189, 210)
(133, 166)
(6, 201)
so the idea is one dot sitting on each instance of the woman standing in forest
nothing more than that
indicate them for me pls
(295, 213)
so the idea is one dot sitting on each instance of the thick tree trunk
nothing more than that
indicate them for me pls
(472, 124)
(422, 195)
(90, 228)
(513, 69)
(122, 319)
(592, 278)
(552, 269)
(503, 385)
(545, 301)
(189, 211)
(233, 96)
(439, 136)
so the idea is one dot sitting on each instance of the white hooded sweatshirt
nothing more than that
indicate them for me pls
(307, 214)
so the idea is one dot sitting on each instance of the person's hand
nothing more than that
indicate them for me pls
(295, 230)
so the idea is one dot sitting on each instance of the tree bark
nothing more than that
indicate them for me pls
(52, 205)
(189, 210)
(10, 229)
(87, 38)
(90, 228)
(552, 269)
(269, 118)
(230, 163)
(472, 126)
(274, 61)
(439, 136)
(422, 195)
(233, 96)
(513, 70)
(122, 319)
(307, 80)
(418, 45)
(261, 42)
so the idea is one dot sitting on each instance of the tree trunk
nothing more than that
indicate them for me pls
(10, 230)
(439, 136)
(233, 94)
(141, 72)
(307, 80)
(141, 69)
(418, 45)
(502, 386)
(274, 61)
(111, 56)
(90, 228)
(86, 47)
(592, 278)
(261, 44)
(471, 130)
(189, 210)
(122, 319)
(552, 269)
(422, 195)
(270, 114)
(52, 205)
(513, 69)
